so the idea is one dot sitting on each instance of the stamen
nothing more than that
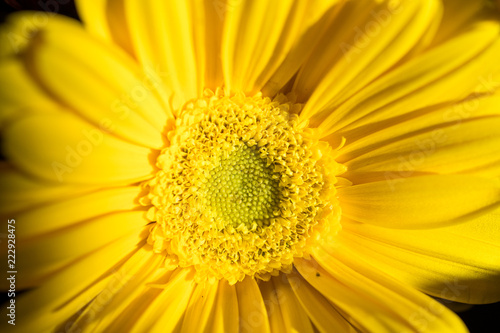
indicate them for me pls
(240, 188)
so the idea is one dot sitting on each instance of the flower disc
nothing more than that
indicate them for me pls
(240, 188)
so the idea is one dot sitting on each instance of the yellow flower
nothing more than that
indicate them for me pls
(252, 166)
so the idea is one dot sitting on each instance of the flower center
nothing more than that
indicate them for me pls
(241, 188)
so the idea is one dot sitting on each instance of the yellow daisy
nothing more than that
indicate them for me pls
(251, 165)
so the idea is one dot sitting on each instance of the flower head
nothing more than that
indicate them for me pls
(252, 165)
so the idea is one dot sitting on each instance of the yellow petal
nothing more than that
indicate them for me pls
(447, 149)
(46, 254)
(201, 308)
(251, 307)
(312, 25)
(79, 153)
(165, 312)
(323, 314)
(131, 24)
(70, 290)
(94, 16)
(374, 300)
(419, 202)
(368, 39)
(106, 19)
(121, 94)
(244, 50)
(146, 295)
(169, 36)
(55, 215)
(294, 315)
(18, 30)
(451, 117)
(458, 15)
(226, 316)
(19, 192)
(272, 306)
(16, 85)
(125, 286)
(459, 263)
(447, 73)
(255, 45)
(213, 40)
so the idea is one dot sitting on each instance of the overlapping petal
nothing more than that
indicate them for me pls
(226, 312)
(201, 307)
(251, 307)
(80, 153)
(448, 73)
(325, 316)
(467, 147)
(71, 288)
(123, 291)
(16, 84)
(459, 263)
(165, 310)
(20, 192)
(374, 300)
(426, 201)
(249, 60)
(368, 39)
(42, 256)
(295, 318)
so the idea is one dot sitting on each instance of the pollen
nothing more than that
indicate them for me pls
(241, 188)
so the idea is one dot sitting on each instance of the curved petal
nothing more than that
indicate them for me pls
(459, 14)
(169, 35)
(19, 192)
(420, 202)
(121, 92)
(46, 254)
(201, 308)
(71, 289)
(84, 207)
(449, 116)
(130, 24)
(255, 45)
(214, 23)
(226, 315)
(79, 152)
(445, 149)
(16, 84)
(459, 263)
(374, 300)
(121, 292)
(106, 19)
(94, 16)
(165, 311)
(322, 313)
(294, 315)
(448, 73)
(251, 307)
(139, 304)
(18, 31)
(270, 297)
(369, 38)
(317, 16)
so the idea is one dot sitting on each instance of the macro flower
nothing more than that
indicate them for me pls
(252, 165)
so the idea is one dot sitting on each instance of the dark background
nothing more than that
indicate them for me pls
(479, 319)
